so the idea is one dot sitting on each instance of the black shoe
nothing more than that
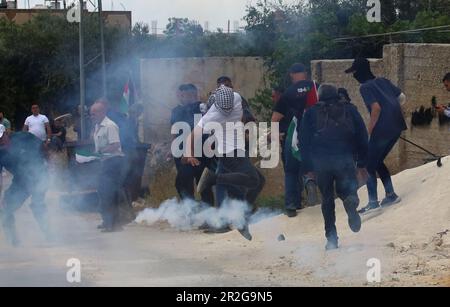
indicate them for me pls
(354, 220)
(245, 232)
(291, 213)
(390, 200)
(207, 181)
(101, 226)
(332, 244)
(311, 192)
(218, 230)
(373, 205)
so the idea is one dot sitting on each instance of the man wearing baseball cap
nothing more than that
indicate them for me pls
(301, 95)
(22, 155)
(382, 99)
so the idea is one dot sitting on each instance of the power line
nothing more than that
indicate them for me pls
(392, 33)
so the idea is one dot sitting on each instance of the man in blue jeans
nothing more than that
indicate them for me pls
(387, 122)
(294, 101)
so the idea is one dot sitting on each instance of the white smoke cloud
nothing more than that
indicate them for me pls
(189, 214)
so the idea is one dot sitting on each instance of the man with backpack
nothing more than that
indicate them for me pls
(333, 136)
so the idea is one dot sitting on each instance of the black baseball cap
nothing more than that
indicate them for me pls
(297, 68)
(223, 79)
(359, 64)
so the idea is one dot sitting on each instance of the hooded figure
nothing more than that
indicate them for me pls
(333, 134)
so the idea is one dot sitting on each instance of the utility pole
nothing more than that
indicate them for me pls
(102, 43)
(82, 77)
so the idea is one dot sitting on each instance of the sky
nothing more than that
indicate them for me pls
(216, 12)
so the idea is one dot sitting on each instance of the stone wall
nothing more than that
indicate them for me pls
(160, 79)
(418, 70)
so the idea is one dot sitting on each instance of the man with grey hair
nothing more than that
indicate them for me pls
(108, 147)
(333, 135)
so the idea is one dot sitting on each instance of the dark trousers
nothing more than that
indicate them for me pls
(339, 173)
(20, 190)
(109, 185)
(379, 148)
(239, 179)
(293, 180)
(184, 182)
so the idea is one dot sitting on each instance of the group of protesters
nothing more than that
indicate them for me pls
(324, 141)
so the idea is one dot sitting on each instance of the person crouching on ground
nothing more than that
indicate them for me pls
(333, 134)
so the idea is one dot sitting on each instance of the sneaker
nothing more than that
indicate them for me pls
(373, 205)
(332, 244)
(291, 213)
(390, 200)
(224, 229)
(311, 192)
(245, 232)
(207, 180)
(354, 220)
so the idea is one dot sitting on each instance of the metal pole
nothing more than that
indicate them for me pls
(82, 80)
(102, 42)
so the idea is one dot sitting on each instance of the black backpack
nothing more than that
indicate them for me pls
(334, 122)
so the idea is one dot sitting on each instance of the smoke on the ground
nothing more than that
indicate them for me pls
(189, 214)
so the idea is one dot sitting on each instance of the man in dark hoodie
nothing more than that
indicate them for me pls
(387, 122)
(333, 136)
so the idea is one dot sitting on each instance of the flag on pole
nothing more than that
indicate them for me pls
(125, 100)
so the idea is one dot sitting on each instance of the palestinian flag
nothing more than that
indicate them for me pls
(125, 101)
(312, 97)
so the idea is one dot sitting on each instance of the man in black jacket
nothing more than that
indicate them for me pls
(333, 136)
(187, 174)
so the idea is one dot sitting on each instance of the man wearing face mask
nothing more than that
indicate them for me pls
(383, 101)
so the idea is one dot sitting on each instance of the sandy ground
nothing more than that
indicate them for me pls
(403, 238)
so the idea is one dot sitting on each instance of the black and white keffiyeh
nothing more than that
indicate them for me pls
(223, 99)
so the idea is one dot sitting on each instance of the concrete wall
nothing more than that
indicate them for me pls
(418, 70)
(160, 79)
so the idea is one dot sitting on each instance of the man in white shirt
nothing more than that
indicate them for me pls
(38, 125)
(107, 144)
(235, 172)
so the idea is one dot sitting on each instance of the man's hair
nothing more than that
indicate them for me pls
(223, 79)
(188, 88)
(446, 77)
(103, 102)
(328, 92)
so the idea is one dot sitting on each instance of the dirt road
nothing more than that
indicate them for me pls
(403, 238)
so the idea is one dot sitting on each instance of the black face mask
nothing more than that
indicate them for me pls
(362, 76)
